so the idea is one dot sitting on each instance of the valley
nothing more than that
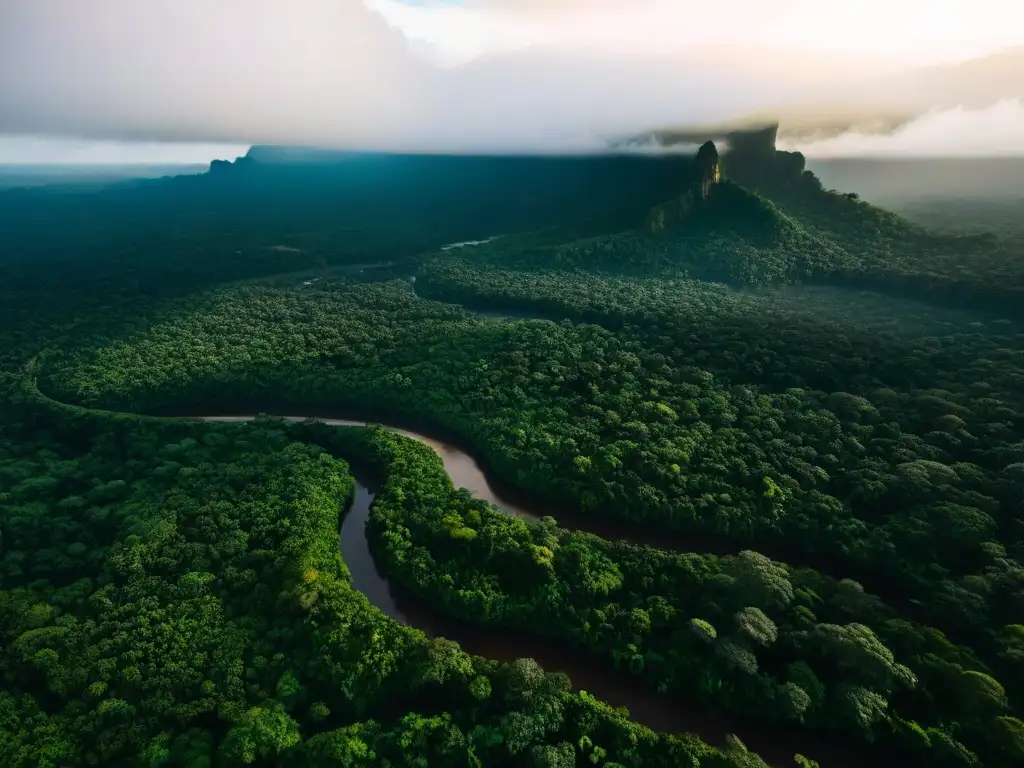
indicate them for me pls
(697, 438)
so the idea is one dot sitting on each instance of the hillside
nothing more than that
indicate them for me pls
(756, 215)
(792, 513)
(751, 216)
(726, 231)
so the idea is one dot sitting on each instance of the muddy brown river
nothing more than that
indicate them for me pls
(775, 742)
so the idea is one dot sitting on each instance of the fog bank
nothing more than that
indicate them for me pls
(497, 76)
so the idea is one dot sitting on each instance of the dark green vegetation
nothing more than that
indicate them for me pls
(834, 480)
(180, 600)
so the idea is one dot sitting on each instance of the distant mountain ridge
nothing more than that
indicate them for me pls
(87, 175)
(753, 214)
(727, 191)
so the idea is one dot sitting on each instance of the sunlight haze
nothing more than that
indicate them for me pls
(890, 33)
(497, 76)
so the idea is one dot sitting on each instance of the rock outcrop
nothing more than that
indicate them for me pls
(750, 158)
(753, 143)
(753, 160)
(222, 167)
(705, 172)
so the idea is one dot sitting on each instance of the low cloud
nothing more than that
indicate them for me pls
(995, 130)
(304, 71)
(492, 75)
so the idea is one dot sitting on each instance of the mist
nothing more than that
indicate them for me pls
(493, 76)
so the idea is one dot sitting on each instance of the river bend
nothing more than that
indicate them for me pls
(776, 743)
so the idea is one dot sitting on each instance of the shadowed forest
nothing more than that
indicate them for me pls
(756, 448)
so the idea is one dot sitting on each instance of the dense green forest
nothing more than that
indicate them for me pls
(185, 603)
(813, 469)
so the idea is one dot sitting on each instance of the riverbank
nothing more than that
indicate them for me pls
(773, 741)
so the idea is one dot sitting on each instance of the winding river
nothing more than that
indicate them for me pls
(776, 743)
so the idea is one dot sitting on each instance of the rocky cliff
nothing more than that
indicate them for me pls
(707, 170)
(752, 159)
(222, 167)
(704, 173)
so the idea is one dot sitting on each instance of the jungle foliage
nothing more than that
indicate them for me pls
(173, 594)
(902, 482)
(823, 485)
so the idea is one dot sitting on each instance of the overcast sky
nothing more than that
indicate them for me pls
(206, 78)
